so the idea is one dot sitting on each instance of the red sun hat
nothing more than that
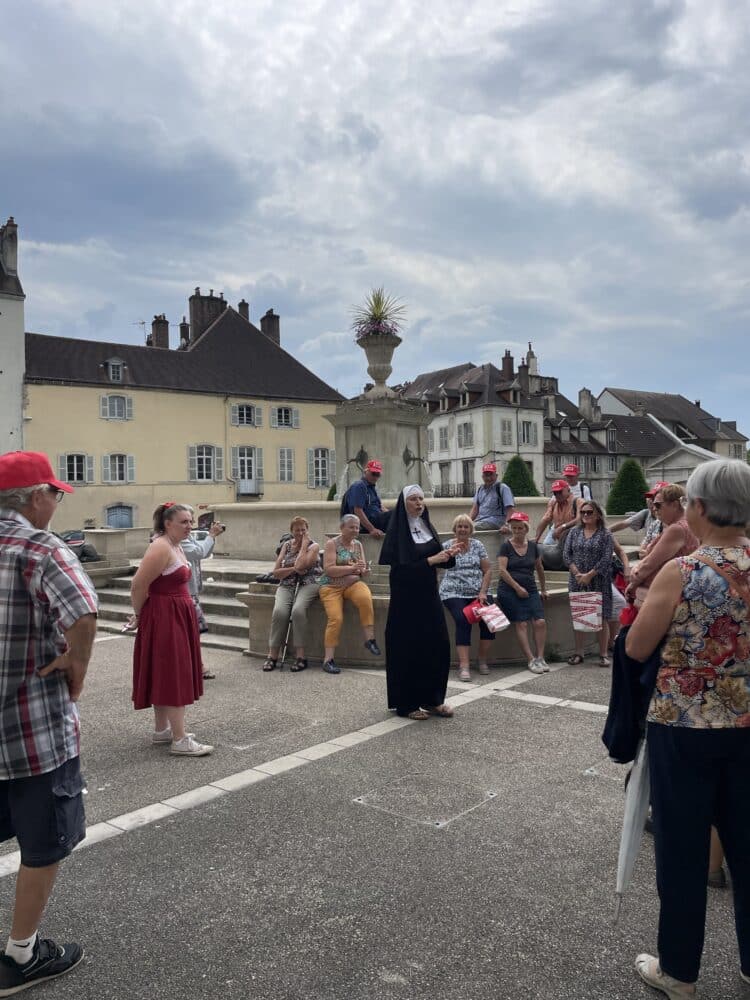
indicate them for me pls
(560, 484)
(374, 466)
(571, 470)
(489, 467)
(519, 515)
(19, 469)
(655, 489)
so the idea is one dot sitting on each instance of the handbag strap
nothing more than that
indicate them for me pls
(738, 586)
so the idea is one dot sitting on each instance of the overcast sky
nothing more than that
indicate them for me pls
(573, 172)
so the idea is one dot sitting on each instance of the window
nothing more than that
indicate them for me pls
(612, 438)
(465, 435)
(116, 407)
(75, 468)
(118, 468)
(583, 433)
(205, 463)
(445, 476)
(246, 415)
(593, 463)
(443, 432)
(286, 465)
(115, 371)
(547, 432)
(321, 467)
(613, 463)
(565, 433)
(583, 463)
(430, 440)
(467, 468)
(529, 433)
(557, 463)
(506, 433)
(119, 515)
(284, 416)
(247, 469)
(736, 451)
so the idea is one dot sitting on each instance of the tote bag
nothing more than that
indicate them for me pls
(586, 610)
(493, 617)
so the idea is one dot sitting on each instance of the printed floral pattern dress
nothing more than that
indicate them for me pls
(704, 678)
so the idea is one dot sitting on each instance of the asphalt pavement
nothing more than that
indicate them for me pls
(329, 850)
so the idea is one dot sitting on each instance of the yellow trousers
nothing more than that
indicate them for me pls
(333, 601)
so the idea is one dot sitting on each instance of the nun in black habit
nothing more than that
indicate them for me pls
(417, 646)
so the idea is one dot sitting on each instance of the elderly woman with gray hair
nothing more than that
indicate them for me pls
(698, 725)
(344, 569)
(463, 584)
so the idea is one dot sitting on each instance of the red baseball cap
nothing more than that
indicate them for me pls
(560, 484)
(571, 470)
(655, 489)
(374, 466)
(489, 467)
(519, 515)
(19, 469)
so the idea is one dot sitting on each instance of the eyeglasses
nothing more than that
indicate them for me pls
(59, 494)
(585, 513)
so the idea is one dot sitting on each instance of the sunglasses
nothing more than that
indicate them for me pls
(658, 504)
(586, 512)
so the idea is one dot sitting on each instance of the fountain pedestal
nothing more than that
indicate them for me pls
(379, 424)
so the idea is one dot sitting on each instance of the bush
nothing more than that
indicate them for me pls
(331, 492)
(628, 489)
(518, 478)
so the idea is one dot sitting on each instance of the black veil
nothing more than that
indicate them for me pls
(399, 545)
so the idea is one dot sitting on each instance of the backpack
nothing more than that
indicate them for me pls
(499, 491)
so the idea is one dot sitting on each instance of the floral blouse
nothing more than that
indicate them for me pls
(288, 559)
(704, 678)
(465, 578)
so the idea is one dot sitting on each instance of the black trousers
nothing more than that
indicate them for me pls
(699, 778)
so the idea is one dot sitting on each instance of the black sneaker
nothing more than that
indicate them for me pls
(330, 667)
(372, 647)
(49, 961)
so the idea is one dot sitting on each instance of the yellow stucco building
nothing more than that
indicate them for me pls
(229, 415)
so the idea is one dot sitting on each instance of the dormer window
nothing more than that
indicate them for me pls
(115, 371)
(583, 433)
(565, 433)
(464, 399)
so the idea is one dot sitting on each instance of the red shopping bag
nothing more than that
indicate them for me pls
(471, 611)
(586, 610)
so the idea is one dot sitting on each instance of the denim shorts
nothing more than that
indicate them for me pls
(44, 813)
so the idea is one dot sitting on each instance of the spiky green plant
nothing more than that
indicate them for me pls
(380, 314)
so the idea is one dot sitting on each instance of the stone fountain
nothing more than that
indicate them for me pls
(380, 424)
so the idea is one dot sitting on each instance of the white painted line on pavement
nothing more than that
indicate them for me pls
(233, 782)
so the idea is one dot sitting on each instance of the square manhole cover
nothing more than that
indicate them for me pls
(426, 799)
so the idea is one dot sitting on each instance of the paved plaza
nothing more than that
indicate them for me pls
(329, 850)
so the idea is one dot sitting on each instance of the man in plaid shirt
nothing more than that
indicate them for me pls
(47, 625)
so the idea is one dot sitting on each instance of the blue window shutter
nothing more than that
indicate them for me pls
(274, 417)
(130, 475)
(259, 467)
(218, 464)
(235, 463)
(128, 407)
(295, 417)
(62, 468)
(105, 469)
(104, 407)
(258, 416)
(311, 468)
(192, 463)
(89, 468)
(235, 418)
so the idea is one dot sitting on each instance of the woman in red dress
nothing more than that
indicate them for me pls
(167, 665)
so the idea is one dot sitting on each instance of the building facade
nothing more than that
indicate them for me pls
(11, 341)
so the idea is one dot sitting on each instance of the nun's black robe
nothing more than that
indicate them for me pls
(417, 645)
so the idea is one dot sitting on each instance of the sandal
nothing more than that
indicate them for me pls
(270, 664)
(575, 659)
(604, 661)
(418, 714)
(444, 711)
(464, 675)
(299, 664)
(208, 675)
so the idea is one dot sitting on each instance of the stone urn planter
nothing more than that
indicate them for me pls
(379, 348)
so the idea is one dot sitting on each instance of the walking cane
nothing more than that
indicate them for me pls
(289, 627)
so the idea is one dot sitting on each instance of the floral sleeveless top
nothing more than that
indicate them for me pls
(344, 557)
(704, 677)
(289, 558)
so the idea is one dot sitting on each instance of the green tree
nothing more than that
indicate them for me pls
(518, 478)
(628, 489)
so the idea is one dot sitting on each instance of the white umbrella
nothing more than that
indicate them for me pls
(637, 798)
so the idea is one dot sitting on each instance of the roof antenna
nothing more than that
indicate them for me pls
(142, 324)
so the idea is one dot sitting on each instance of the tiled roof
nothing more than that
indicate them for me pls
(639, 437)
(232, 357)
(484, 383)
(673, 408)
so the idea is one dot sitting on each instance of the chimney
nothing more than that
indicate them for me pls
(204, 310)
(184, 332)
(698, 403)
(523, 377)
(9, 247)
(160, 332)
(550, 407)
(531, 361)
(243, 309)
(269, 325)
(586, 403)
(507, 367)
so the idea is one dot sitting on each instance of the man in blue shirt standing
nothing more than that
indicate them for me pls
(493, 502)
(362, 499)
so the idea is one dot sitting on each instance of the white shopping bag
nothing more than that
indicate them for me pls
(586, 610)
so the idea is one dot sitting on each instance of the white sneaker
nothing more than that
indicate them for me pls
(650, 971)
(164, 735)
(188, 747)
(536, 667)
(543, 664)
